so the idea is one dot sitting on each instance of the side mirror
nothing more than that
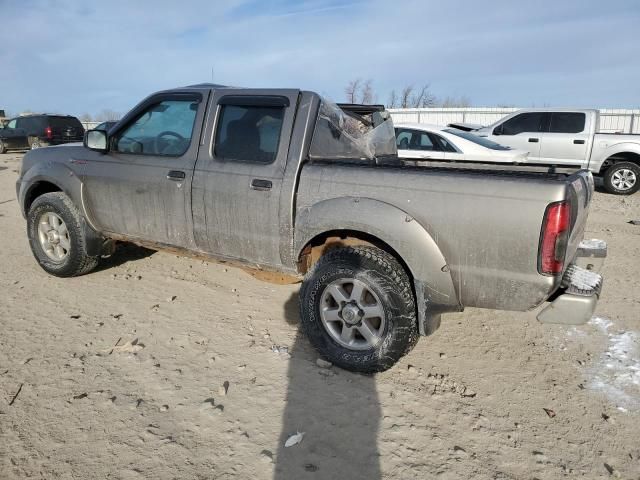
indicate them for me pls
(96, 140)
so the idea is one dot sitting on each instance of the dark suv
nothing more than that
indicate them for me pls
(40, 130)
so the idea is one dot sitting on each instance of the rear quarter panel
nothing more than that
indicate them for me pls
(486, 226)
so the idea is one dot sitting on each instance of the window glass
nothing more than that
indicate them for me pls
(477, 140)
(249, 133)
(414, 140)
(567, 122)
(525, 122)
(445, 144)
(164, 128)
(12, 124)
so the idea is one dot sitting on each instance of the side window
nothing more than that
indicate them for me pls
(249, 133)
(12, 123)
(403, 137)
(567, 122)
(445, 145)
(421, 141)
(164, 128)
(525, 122)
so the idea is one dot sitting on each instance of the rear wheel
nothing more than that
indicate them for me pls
(358, 310)
(622, 178)
(54, 227)
(34, 143)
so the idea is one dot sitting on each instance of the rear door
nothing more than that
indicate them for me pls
(417, 145)
(239, 174)
(65, 129)
(567, 141)
(139, 189)
(524, 131)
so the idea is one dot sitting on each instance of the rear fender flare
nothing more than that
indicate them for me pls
(434, 286)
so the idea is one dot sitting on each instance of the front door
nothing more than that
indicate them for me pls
(417, 145)
(140, 188)
(238, 177)
(14, 136)
(524, 131)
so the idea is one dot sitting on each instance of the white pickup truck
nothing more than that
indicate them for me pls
(565, 137)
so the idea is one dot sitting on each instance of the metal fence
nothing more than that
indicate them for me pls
(611, 120)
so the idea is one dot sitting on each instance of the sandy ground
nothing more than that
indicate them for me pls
(157, 366)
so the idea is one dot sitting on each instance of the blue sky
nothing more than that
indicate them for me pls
(77, 56)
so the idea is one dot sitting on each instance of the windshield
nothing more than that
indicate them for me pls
(475, 139)
(341, 136)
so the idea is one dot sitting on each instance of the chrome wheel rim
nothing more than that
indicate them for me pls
(54, 236)
(624, 179)
(352, 314)
(35, 144)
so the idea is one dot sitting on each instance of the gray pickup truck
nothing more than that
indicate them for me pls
(287, 182)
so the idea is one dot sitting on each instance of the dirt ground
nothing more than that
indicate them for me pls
(158, 366)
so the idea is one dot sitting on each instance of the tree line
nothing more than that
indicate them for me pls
(409, 96)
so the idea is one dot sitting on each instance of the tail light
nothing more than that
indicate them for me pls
(554, 238)
(48, 133)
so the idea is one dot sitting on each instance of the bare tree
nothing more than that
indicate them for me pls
(351, 91)
(393, 99)
(456, 102)
(405, 96)
(367, 94)
(424, 98)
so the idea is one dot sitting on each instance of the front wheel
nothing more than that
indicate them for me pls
(358, 310)
(54, 227)
(622, 178)
(3, 148)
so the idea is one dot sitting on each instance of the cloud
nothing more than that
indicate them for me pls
(84, 57)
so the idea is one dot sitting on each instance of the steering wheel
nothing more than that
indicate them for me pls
(169, 133)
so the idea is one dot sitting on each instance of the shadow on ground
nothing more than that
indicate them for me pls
(125, 252)
(338, 412)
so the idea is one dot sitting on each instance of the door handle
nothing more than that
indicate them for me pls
(534, 140)
(578, 142)
(259, 184)
(176, 175)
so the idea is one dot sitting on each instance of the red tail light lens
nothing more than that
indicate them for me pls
(48, 132)
(555, 236)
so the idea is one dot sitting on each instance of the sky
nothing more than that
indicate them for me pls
(76, 57)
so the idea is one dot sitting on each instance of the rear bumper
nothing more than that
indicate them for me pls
(581, 287)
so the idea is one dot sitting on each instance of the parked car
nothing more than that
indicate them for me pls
(41, 130)
(285, 181)
(106, 126)
(12, 138)
(567, 137)
(430, 142)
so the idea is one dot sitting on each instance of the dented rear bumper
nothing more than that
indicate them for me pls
(580, 289)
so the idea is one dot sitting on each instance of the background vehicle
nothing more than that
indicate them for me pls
(431, 142)
(12, 138)
(567, 137)
(39, 130)
(283, 180)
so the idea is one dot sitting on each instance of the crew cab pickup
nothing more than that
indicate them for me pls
(565, 137)
(283, 181)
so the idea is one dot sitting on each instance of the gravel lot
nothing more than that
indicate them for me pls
(158, 366)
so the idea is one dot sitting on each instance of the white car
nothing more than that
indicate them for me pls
(418, 141)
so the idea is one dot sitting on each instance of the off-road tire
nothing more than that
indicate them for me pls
(77, 262)
(382, 274)
(3, 149)
(610, 172)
